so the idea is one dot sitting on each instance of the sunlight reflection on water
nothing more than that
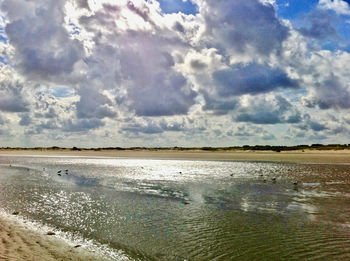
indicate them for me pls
(197, 210)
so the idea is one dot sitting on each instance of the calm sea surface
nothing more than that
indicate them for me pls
(186, 210)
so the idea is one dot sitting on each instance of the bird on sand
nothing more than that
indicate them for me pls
(295, 187)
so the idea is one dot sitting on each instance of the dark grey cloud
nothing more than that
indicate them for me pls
(318, 25)
(179, 27)
(82, 125)
(260, 117)
(249, 131)
(164, 97)
(262, 111)
(153, 127)
(218, 106)
(244, 25)
(309, 124)
(331, 93)
(93, 104)
(198, 65)
(251, 79)
(25, 119)
(12, 97)
(43, 47)
(155, 88)
(316, 126)
(83, 4)
(149, 128)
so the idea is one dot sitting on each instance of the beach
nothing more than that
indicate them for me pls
(18, 241)
(310, 156)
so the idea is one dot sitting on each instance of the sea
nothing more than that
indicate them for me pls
(150, 209)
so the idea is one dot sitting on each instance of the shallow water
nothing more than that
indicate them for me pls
(187, 210)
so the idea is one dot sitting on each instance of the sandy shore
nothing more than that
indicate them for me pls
(314, 156)
(19, 242)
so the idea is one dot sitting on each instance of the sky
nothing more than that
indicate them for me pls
(163, 73)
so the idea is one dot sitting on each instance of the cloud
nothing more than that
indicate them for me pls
(267, 110)
(251, 79)
(43, 47)
(93, 104)
(243, 26)
(218, 106)
(330, 93)
(25, 119)
(142, 69)
(82, 125)
(250, 132)
(149, 126)
(132, 70)
(320, 26)
(339, 6)
(12, 95)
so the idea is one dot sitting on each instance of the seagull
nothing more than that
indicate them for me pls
(59, 171)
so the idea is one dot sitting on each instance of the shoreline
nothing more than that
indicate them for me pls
(20, 241)
(307, 156)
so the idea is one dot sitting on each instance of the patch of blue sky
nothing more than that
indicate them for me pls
(292, 9)
(296, 11)
(343, 29)
(4, 60)
(175, 6)
(73, 29)
(3, 36)
(61, 91)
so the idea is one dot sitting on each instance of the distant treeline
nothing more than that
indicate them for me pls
(242, 148)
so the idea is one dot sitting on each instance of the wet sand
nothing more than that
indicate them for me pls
(18, 242)
(312, 156)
